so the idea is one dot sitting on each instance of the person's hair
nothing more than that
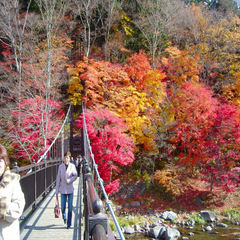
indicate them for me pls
(4, 155)
(67, 154)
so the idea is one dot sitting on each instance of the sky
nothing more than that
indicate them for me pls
(238, 2)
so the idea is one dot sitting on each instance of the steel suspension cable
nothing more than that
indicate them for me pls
(59, 132)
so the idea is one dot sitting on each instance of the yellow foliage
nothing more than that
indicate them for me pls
(155, 88)
(173, 51)
(126, 24)
(132, 107)
(169, 178)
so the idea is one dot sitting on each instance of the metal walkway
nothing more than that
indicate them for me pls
(43, 225)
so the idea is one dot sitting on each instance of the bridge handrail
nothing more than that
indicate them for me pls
(19, 170)
(94, 215)
(36, 183)
(100, 180)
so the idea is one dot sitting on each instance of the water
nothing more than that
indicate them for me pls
(218, 233)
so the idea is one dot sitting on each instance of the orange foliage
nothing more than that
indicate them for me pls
(100, 79)
(181, 67)
(137, 68)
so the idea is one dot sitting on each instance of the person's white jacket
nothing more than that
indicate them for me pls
(12, 203)
(65, 178)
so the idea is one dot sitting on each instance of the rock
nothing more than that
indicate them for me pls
(147, 225)
(171, 234)
(198, 202)
(162, 232)
(191, 234)
(185, 238)
(117, 236)
(159, 221)
(149, 211)
(190, 223)
(137, 228)
(222, 225)
(169, 215)
(147, 228)
(208, 228)
(126, 205)
(135, 204)
(186, 224)
(182, 223)
(129, 189)
(129, 230)
(208, 216)
(118, 207)
(157, 232)
(153, 225)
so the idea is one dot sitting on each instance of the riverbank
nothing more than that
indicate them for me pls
(171, 225)
(141, 212)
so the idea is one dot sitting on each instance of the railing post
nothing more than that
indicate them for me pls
(95, 221)
(98, 218)
(45, 175)
(35, 184)
(98, 233)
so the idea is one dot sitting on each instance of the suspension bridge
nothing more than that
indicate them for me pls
(38, 180)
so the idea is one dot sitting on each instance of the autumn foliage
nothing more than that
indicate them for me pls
(167, 101)
(207, 134)
(162, 91)
(137, 68)
(194, 109)
(111, 147)
(28, 131)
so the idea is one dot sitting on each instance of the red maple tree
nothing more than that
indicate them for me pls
(27, 127)
(112, 148)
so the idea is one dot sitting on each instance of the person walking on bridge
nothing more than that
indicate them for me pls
(67, 174)
(12, 200)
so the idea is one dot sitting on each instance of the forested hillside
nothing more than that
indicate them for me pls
(160, 79)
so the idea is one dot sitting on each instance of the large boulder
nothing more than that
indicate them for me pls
(169, 215)
(171, 234)
(157, 232)
(129, 230)
(208, 216)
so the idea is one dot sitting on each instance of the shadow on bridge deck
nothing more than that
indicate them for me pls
(43, 225)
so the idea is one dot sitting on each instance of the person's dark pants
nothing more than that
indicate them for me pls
(64, 199)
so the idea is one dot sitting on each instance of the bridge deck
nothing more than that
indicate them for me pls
(43, 225)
